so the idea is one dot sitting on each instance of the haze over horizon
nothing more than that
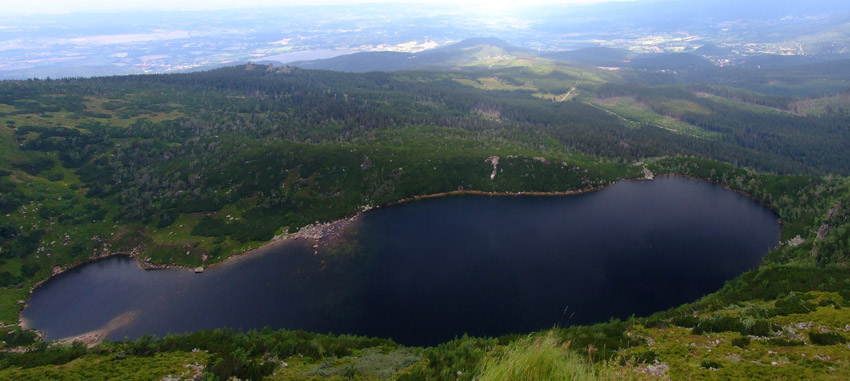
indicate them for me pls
(50, 38)
(98, 6)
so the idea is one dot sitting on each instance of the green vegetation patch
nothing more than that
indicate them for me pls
(629, 108)
(541, 358)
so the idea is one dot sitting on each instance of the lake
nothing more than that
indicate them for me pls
(426, 271)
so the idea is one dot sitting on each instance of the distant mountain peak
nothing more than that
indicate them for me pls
(460, 53)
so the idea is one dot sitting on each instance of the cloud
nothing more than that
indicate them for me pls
(108, 39)
(79, 6)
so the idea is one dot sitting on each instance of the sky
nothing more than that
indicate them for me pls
(74, 6)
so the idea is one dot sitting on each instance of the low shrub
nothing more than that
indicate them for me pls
(828, 338)
(792, 304)
(741, 342)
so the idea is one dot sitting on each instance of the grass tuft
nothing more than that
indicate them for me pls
(540, 358)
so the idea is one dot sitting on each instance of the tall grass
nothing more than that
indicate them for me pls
(537, 358)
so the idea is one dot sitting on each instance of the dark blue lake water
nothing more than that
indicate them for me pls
(426, 271)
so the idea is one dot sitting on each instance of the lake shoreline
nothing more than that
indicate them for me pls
(321, 235)
(324, 234)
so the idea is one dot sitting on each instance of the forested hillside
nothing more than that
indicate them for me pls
(190, 169)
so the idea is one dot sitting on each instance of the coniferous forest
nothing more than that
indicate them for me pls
(187, 170)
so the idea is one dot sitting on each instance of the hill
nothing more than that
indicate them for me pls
(597, 56)
(466, 52)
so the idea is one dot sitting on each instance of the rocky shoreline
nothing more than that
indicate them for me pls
(321, 235)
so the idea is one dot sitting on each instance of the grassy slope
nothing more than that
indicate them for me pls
(787, 355)
(106, 366)
(819, 106)
(629, 108)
